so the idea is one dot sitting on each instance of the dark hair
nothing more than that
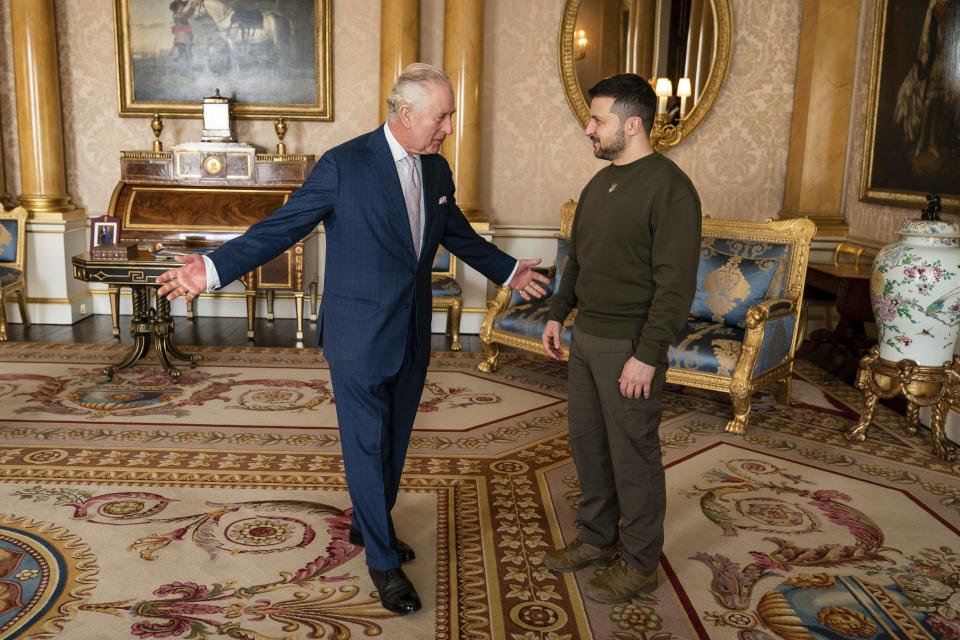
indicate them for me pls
(632, 96)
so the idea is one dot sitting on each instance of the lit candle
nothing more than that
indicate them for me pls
(581, 44)
(664, 90)
(683, 90)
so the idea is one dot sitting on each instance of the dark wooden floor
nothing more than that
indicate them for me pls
(230, 332)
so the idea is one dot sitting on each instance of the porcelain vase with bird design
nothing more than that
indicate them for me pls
(915, 293)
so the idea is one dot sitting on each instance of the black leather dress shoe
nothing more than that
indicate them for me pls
(404, 550)
(396, 592)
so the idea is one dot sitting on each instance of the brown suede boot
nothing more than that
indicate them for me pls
(619, 583)
(577, 555)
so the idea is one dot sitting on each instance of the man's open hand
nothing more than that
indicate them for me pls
(525, 280)
(188, 281)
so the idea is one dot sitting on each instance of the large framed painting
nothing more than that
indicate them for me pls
(913, 120)
(271, 57)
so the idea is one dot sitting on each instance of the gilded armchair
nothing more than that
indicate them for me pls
(13, 242)
(746, 320)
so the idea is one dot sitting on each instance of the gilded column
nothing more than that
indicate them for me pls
(399, 43)
(821, 115)
(39, 123)
(463, 61)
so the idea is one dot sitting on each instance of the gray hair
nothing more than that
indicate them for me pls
(413, 87)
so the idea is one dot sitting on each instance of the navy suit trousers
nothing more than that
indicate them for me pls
(376, 416)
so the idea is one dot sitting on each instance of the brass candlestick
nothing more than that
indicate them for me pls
(665, 133)
(157, 125)
(280, 126)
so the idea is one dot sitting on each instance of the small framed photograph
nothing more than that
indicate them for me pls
(104, 230)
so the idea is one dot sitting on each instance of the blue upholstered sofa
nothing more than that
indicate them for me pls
(744, 325)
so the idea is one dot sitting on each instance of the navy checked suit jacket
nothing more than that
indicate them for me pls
(373, 280)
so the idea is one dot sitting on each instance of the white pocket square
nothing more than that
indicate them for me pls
(443, 200)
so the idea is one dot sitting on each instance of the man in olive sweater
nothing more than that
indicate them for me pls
(632, 276)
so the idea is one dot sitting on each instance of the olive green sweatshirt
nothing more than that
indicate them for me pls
(634, 251)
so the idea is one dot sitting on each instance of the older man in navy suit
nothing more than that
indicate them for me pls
(386, 203)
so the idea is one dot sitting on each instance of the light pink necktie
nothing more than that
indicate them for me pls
(411, 194)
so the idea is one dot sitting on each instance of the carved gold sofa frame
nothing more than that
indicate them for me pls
(745, 324)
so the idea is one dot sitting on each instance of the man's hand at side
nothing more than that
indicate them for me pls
(525, 280)
(635, 379)
(551, 339)
(188, 281)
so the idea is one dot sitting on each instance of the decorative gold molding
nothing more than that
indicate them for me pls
(828, 225)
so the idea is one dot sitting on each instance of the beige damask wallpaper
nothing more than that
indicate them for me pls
(534, 154)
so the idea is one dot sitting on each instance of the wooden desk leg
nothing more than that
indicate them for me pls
(140, 329)
(251, 310)
(270, 297)
(298, 304)
(191, 309)
(163, 329)
(113, 292)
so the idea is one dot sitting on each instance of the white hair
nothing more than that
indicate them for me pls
(413, 86)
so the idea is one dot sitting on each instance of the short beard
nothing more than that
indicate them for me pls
(612, 150)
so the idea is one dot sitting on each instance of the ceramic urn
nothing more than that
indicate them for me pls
(915, 293)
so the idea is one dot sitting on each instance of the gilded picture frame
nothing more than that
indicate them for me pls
(912, 144)
(270, 57)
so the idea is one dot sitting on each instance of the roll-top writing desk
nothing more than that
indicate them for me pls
(198, 196)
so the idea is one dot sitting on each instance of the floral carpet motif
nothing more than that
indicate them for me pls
(153, 526)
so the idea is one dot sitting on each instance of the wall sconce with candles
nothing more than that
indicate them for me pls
(668, 129)
(580, 45)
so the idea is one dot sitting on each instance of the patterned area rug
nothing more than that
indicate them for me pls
(217, 508)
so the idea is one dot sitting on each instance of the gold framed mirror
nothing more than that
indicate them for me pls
(656, 39)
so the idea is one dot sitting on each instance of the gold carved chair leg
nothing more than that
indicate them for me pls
(784, 390)
(453, 323)
(251, 296)
(313, 301)
(740, 398)
(22, 303)
(270, 298)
